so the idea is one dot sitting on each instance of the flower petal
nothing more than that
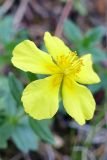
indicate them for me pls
(78, 101)
(28, 57)
(87, 74)
(55, 45)
(40, 98)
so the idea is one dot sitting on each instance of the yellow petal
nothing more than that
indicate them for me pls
(27, 57)
(87, 74)
(40, 98)
(55, 45)
(78, 101)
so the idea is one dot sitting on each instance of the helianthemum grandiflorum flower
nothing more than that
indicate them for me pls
(67, 72)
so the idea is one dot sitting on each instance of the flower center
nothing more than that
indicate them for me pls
(69, 64)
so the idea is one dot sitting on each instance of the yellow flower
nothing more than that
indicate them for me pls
(67, 72)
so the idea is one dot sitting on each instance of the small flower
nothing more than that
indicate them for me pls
(67, 72)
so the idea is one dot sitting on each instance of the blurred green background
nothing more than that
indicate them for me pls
(84, 29)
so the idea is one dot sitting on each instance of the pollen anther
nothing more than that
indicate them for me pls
(70, 63)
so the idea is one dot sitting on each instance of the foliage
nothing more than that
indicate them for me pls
(14, 122)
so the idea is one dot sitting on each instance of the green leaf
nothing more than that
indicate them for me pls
(3, 144)
(6, 29)
(72, 31)
(94, 36)
(79, 6)
(7, 103)
(4, 59)
(98, 54)
(9, 47)
(16, 88)
(103, 75)
(95, 88)
(41, 128)
(5, 132)
(24, 138)
(31, 76)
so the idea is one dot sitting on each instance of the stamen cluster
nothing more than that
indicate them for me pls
(69, 64)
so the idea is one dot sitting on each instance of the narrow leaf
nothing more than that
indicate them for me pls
(41, 128)
(24, 138)
(94, 36)
(16, 88)
(72, 31)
